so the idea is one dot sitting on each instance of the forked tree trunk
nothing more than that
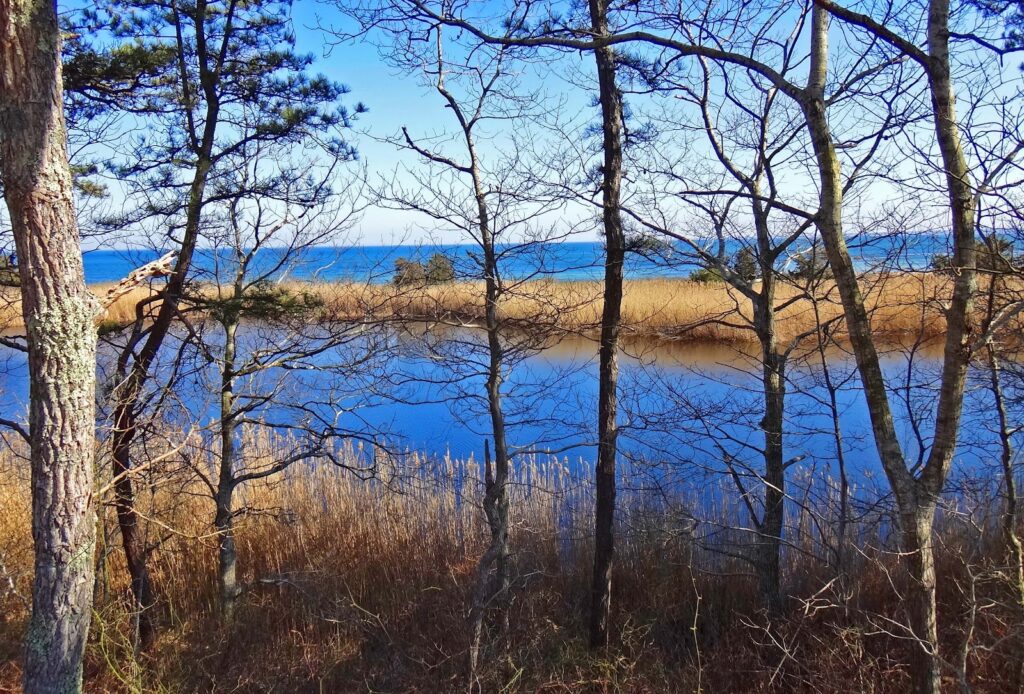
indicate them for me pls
(916, 498)
(615, 242)
(58, 313)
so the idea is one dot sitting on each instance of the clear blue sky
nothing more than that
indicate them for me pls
(399, 99)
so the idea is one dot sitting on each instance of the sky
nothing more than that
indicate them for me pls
(398, 99)
(394, 99)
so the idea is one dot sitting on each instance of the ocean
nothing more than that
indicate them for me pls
(567, 261)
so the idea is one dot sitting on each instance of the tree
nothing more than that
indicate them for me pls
(736, 196)
(437, 270)
(810, 263)
(917, 494)
(995, 257)
(490, 199)
(409, 273)
(58, 312)
(272, 213)
(745, 265)
(220, 76)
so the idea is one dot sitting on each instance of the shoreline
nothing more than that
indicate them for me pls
(903, 306)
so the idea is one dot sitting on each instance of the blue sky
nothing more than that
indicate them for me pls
(398, 99)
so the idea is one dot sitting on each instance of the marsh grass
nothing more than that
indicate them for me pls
(362, 585)
(902, 305)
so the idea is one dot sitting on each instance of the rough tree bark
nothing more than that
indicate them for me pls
(58, 313)
(615, 242)
(227, 554)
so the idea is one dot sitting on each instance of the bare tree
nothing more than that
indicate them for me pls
(517, 31)
(481, 183)
(612, 116)
(285, 363)
(745, 232)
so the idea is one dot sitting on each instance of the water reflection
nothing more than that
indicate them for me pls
(686, 407)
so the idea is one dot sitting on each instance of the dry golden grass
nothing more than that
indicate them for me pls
(902, 305)
(360, 585)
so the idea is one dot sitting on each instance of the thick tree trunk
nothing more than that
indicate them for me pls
(58, 313)
(615, 242)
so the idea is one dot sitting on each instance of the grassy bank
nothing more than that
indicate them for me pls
(902, 305)
(360, 585)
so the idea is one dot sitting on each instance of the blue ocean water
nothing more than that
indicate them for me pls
(556, 260)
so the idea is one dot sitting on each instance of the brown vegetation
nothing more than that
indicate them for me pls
(902, 305)
(360, 585)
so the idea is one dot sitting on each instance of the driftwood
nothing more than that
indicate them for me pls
(161, 267)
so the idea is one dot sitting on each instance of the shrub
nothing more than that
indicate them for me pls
(997, 255)
(810, 264)
(439, 269)
(706, 275)
(409, 272)
(649, 246)
(9, 271)
(744, 264)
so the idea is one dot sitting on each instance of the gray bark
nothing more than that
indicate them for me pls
(492, 579)
(916, 498)
(58, 313)
(227, 554)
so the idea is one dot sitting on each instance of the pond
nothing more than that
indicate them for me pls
(686, 408)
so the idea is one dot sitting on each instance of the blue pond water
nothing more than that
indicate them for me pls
(685, 408)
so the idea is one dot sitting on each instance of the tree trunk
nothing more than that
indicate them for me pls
(496, 504)
(227, 555)
(1010, 512)
(132, 540)
(920, 558)
(607, 432)
(128, 396)
(771, 527)
(126, 416)
(915, 498)
(58, 313)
